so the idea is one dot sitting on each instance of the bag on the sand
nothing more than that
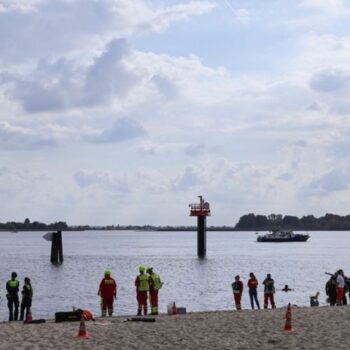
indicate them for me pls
(40, 320)
(142, 319)
(68, 316)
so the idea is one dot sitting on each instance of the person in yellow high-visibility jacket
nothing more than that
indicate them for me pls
(12, 288)
(154, 285)
(142, 288)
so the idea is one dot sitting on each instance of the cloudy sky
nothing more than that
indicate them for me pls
(122, 112)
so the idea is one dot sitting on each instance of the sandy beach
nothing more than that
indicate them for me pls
(313, 328)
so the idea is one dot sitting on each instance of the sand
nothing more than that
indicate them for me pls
(314, 328)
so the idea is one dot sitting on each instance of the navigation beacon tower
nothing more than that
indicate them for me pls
(201, 210)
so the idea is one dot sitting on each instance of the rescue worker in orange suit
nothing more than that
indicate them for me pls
(12, 288)
(154, 285)
(237, 289)
(142, 288)
(108, 292)
(269, 291)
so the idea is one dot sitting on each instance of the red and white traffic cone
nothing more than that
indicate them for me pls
(288, 324)
(82, 329)
(174, 309)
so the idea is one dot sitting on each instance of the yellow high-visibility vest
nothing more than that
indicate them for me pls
(143, 286)
(157, 283)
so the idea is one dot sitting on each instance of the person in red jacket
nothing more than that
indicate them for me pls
(108, 292)
(142, 288)
(237, 289)
(253, 286)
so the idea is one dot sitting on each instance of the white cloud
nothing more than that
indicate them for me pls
(186, 181)
(122, 130)
(102, 179)
(20, 6)
(243, 16)
(163, 17)
(245, 135)
(195, 149)
(63, 84)
(80, 24)
(331, 81)
(337, 7)
(336, 180)
(17, 137)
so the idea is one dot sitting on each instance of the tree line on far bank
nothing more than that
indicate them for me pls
(248, 222)
(32, 226)
(328, 222)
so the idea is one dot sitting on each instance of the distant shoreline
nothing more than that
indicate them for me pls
(161, 229)
(248, 222)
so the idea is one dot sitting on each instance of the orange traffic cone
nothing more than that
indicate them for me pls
(29, 315)
(82, 329)
(288, 325)
(174, 310)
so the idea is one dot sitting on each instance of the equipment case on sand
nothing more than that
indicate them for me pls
(68, 316)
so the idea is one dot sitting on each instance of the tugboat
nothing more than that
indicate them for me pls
(283, 236)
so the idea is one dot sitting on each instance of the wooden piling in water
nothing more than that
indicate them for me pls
(56, 248)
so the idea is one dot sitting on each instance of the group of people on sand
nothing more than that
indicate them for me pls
(336, 288)
(12, 295)
(145, 285)
(148, 286)
(252, 284)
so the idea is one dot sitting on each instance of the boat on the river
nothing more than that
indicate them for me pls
(283, 236)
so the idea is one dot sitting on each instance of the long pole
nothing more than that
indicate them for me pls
(201, 236)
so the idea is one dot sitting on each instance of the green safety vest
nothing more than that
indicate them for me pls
(236, 287)
(143, 286)
(157, 283)
(269, 286)
(13, 283)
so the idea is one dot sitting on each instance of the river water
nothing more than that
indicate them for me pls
(198, 285)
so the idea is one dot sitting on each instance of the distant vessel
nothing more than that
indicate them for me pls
(283, 236)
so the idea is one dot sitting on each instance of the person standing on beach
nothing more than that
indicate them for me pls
(269, 291)
(142, 288)
(340, 287)
(12, 288)
(108, 292)
(347, 287)
(253, 295)
(237, 289)
(154, 285)
(27, 295)
(331, 290)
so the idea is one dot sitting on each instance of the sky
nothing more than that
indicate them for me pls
(123, 112)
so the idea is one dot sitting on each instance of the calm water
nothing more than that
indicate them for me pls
(196, 284)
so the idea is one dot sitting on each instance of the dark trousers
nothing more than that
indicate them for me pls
(254, 296)
(13, 302)
(25, 307)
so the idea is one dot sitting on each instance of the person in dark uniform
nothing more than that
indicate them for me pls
(331, 290)
(12, 288)
(27, 295)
